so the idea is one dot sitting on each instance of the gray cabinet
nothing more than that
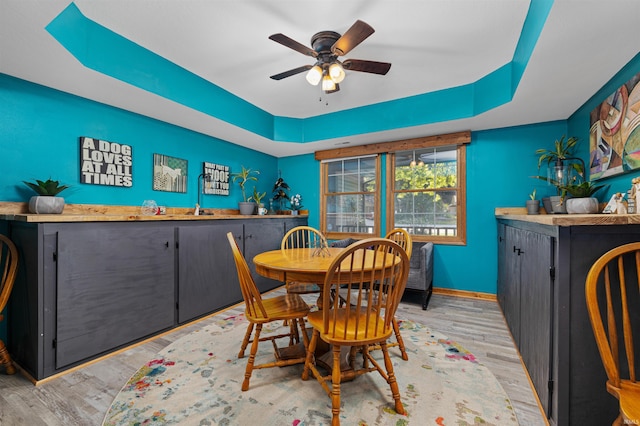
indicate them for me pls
(541, 277)
(84, 289)
(207, 279)
(265, 235)
(87, 288)
(526, 294)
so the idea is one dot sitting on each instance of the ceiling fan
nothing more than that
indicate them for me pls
(327, 46)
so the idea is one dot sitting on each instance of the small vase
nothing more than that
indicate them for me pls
(295, 212)
(533, 206)
(46, 204)
(558, 204)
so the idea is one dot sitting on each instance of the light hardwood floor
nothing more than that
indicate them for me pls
(82, 397)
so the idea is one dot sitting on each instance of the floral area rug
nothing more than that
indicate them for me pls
(196, 381)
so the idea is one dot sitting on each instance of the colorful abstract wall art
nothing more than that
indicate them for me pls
(614, 137)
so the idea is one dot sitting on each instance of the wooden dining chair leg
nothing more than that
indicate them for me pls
(396, 330)
(5, 359)
(252, 357)
(335, 386)
(311, 348)
(391, 379)
(245, 341)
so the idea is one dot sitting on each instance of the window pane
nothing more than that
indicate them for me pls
(431, 206)
(355, 175)
(427, 213)
(350, 213)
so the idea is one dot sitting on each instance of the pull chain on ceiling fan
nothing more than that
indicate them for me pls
(327, 46)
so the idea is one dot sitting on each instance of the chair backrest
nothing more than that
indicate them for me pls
(303, 237)
(253, 300)
(403, 238)
(364, 316)
(8, 269)
(612, 285)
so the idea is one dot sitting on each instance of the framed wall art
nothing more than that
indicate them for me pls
(614, 136)
(105, 163)
(218, 179)
(169, 173)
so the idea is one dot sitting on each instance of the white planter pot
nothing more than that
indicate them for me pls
(43, 204)
(582, 205)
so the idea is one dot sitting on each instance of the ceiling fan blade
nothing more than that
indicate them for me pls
(353, 37)
(292, 44)
(291, 72)
(372, 67)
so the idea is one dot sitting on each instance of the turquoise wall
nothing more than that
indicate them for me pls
(579, 124)
(500, 165)
(39, 138)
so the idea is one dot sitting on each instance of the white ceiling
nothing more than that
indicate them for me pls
(432, 44)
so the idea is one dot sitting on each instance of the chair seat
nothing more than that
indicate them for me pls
(296, 287)
(629, 395)
(284, 307)
(376, 332)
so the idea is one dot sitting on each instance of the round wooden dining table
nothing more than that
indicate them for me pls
(310, 265)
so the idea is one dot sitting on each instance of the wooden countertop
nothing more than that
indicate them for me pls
(42, 218)
(519, 213)
(103, 213)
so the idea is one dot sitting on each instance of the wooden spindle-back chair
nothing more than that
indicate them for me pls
(258, 311)
(303, 237)
(8, 271)
(364, 320)
(403, 238)
(613, 286)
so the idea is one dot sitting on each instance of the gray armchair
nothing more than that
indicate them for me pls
(420, 268)
(421, 271)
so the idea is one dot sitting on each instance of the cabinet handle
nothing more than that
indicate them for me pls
(517, 250)
(249, 236)
(166, 244)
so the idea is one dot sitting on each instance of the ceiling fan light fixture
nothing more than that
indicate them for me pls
(314, 75)
(336, 72)
(328, 85)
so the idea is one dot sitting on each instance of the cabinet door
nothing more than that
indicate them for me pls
(115, 284)
(207, 277)
(509, 279)
(536, 315)
(259, 236)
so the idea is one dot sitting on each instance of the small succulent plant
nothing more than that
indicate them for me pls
(47, 188)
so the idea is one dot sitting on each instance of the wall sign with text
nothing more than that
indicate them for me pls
(105, 163)
(217, 179)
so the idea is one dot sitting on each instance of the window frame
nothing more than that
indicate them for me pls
(461, 235)
(387, 193)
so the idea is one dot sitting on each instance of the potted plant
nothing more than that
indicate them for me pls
(280, 195)
(47, 200)
(296, 204)
(582, 200)
(245, 206)
(533, 204)
(257, 197)
(562, 167)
